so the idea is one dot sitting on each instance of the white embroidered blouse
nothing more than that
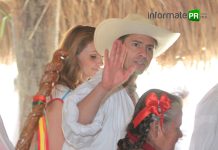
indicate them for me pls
(108, 126)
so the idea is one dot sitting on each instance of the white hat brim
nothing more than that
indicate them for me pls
(111, 29)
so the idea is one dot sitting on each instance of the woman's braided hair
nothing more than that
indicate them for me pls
(142, 130)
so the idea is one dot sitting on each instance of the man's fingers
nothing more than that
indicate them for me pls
(113, 51)
(122, 56)
(118, 53)
(106, 57)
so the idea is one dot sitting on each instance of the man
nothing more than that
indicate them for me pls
(96, 114)
(205, 134)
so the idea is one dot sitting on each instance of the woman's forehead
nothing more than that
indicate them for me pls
(90, 48)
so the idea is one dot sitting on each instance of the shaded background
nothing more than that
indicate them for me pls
(31, 30)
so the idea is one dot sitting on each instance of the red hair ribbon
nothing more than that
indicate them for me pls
(153, 106)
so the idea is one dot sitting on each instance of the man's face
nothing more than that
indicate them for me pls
(139, 51)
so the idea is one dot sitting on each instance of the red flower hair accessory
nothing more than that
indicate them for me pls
(153, 106)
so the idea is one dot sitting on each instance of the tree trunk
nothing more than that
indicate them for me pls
(36, 26)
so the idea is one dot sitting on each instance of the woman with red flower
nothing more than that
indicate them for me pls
(155, 124)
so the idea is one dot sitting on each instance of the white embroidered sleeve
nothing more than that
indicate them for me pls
(76, 134)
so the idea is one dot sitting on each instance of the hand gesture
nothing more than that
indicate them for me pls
(114, 73)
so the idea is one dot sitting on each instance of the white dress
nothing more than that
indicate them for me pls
(109, 124)
(205, 134)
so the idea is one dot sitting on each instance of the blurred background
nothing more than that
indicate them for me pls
(30, 32)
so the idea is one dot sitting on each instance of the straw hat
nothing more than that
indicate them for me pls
(111, 29)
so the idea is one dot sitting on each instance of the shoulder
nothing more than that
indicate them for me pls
(209, 103)
(211, 95)
(59, 91)
(58, 94)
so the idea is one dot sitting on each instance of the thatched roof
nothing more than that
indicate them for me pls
(6, 54)
(197, 41)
